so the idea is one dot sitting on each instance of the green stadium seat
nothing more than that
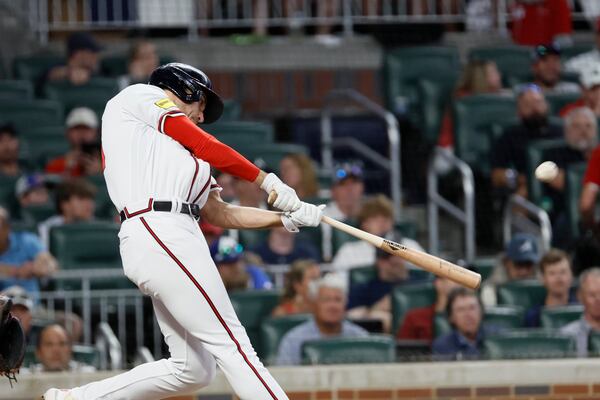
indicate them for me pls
(25, 114)
(239, 134)
(529, 344)
(340, 238)
(116, 65)
(573, 185)
(410, 296)
(40, 149)
(362, 275)
(524, 293)
(536, 152)
(55, 131)
(407, 229)
(37, 213)
(558, 101)
(484, 266)
(16, 89)
(557, 317)
(271, 153)
(250, 238)
(569, 52)
(86, 245)
(478, 122)
(7, 193)
(272, 330)
(594, 345)
(404, 67)
(86, 354)
(435, 99)
(31, 68)
(232, 110)
(104, 206)
(505, 317)
(372, 350)
(94, 94)
(514, 62)
(252, 308)
(441, 325)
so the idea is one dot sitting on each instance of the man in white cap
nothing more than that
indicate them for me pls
(22, 307)
(589, 79)
(84, 158)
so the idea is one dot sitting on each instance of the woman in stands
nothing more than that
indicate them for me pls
(295, 299)
(298, 171)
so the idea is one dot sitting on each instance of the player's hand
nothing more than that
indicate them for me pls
(287, 199)
(306, 215)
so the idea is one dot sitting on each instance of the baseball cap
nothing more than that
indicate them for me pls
(590, 75)
(29, 182)
(226, 250)
(347, 170)
(19, 296)
(82, 41)
(542, 50)
(82, 116)
(523, 248)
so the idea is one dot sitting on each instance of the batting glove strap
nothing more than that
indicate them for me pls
(288, 224)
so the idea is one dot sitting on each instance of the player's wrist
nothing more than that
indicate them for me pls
(288, 223)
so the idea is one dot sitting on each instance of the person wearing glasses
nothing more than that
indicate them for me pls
(547, 68)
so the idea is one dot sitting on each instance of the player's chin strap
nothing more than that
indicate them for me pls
(288, 224)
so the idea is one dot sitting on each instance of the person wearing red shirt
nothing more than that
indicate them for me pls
(418, 322)
(540, 21)
(84, 158)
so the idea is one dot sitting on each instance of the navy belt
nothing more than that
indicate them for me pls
(166, 206)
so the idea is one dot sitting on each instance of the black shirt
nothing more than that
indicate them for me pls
(563, 157)
(510, 150)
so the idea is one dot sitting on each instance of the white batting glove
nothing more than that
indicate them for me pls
(287, 199)
(306, 215)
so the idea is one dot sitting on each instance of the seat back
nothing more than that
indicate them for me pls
(31, 113)
(536, 152)
(239, 134)
(514, 62)
(529, 344)
(372, 350)
(524, 293)
(362, 275)
(16, 89)
(557, 317)
(94, 94)
(272, 330)
(510, 317)
(410, 296)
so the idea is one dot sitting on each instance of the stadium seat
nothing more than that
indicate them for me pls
(594, 345)
(104, 206)
(575, 49)
(37, 213)
(557, 317)
(116, 65)
(510, 317)
(240, 134)
(232, 110)
(403, 67)
(86, 245)
(86, 354)
(252, 308)
(529, 344)
(410, 296)
(478, 122)
(514, 62)
(93, 94)
(536, 152)
(434, 97)
(250, 238)
(40, 149)
(271, 153)
(558, 101)
(573, 185)
(484, 266)
(272, 330)
(372, 349)
(31, 68)
(25, 114)
(16, 89)
(441, 325)
(361, 275)
(55, 131)
(524, 293)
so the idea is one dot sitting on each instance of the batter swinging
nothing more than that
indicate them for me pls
(157, 169)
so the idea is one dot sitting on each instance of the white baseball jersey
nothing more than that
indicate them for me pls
(141, 161)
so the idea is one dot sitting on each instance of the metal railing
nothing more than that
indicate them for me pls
(435, 202)
(516, 214)
(391, 164)
(111, 356)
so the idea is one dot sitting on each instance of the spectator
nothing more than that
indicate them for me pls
(9, 151)
(590, 97)
(579, 63)
(298, 171)
(376, 217)
(295, 298)
(589, 296)
(509, 154)
(329, 297)
(32, 190)
(54, 352)
(372, 300)
(465, 314)
(518, 263)
(283, 247)
(541, 21)
(22, 307)
(347, 192)
(82, 60)
(478, 77)
(22, 258)
(248, 194)
(546, 68)
(84, 157)
(418, 322)
(557, 278)
(75, 202)
(236, 274)
(142, 61)
(211, 232)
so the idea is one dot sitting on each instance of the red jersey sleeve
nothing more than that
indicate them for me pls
(592, 172)
(206, 147)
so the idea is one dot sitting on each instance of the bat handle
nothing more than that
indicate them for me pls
(272, 197)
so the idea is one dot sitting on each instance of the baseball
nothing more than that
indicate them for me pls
(546, 171)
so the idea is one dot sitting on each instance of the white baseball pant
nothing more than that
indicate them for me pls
(166, 256)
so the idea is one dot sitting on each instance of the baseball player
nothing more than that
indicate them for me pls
(157, 169)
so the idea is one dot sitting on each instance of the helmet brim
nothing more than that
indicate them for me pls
(214, 106)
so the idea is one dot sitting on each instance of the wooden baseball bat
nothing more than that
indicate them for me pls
(426, 261)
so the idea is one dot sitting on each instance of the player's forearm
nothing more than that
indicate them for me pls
(237, 217)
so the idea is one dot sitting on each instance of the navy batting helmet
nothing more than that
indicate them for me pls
(190, 85)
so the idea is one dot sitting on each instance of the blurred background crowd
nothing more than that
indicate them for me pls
(473, 97)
